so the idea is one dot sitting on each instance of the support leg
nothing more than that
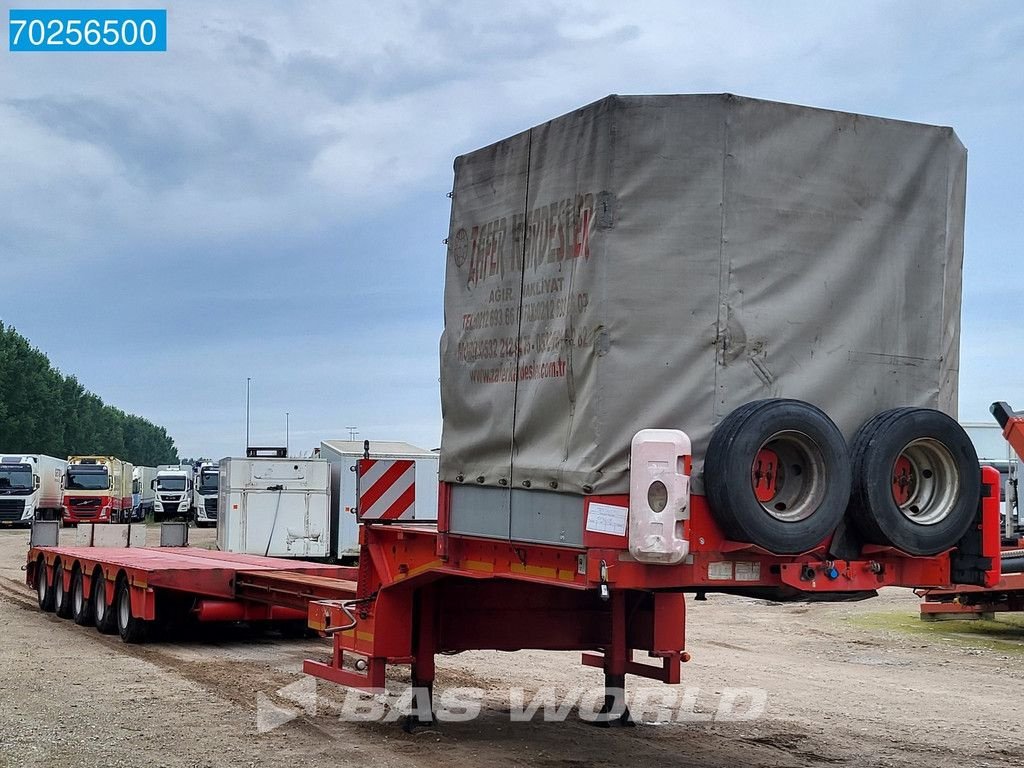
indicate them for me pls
(423, 671)
(422, 712)
(615, 712)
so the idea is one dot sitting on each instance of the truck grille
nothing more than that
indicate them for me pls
(210, 505)
(84, 508)
(11, 510)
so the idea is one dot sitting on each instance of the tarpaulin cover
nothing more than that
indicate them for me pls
(657, 261)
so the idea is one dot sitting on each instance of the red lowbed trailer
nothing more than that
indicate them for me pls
(781, 282)
(419, 591)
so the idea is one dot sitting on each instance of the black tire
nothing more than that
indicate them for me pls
(131, 629)
(102, 614)
(81, 609)
(916, 481)
(44, 591)
(61, 597)
(789, 511)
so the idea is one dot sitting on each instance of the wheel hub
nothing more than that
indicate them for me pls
(788, 476)
(925, 481)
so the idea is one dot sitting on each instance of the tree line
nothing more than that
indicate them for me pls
(44, 411)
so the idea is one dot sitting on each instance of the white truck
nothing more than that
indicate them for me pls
(143, 492)
(173, 486)
(204, 497)
(31, 488)
(275, 506)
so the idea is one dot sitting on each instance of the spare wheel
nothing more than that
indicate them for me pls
(916, 481)
(777, 474)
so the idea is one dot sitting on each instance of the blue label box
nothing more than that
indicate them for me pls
(87, 29)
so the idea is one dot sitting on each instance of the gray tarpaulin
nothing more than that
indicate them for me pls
(657, 261)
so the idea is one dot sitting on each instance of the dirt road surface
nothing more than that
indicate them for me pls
(863, 684)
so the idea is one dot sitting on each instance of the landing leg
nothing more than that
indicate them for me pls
(615, 712)
(422, 709)
(422, 713)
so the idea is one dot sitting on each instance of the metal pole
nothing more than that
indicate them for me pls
(247, 380)
(287, 443)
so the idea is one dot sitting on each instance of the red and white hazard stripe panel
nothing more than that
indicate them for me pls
(387, 489)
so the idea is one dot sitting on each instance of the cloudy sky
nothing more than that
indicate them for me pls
(268, 198)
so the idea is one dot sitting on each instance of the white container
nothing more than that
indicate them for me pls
(343, 455)
(275, 507)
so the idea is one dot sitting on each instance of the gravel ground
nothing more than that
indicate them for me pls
(861, 684)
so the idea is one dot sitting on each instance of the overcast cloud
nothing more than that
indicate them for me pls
(268, 198)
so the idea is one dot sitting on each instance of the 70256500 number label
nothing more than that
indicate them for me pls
(87, 29)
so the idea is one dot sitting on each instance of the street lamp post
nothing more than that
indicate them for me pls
(287, 443)
(247, 380)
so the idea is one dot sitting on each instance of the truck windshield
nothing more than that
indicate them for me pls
(170, 483)
(91, 479)
(208, 481)
(15, 477)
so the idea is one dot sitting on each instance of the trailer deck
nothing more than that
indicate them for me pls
(221, 586)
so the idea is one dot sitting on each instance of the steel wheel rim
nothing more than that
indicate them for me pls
(123, 609)
(788, 476)
(78, 599)
(925, 481)
(41, 585)
(58, 585)
(99, 604)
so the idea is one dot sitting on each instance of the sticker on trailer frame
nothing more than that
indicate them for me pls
(720, 571)
(748, 571)
(606, 518)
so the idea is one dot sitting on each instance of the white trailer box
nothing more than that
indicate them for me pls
(142, 485)
(31, 487)
(343, 454)
(275, 507)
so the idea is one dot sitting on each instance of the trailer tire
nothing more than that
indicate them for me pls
(788, 511)
(81, 610)
(131, 628)
(916, 481)
(44, 592)
(102, 614)
(61, 597)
